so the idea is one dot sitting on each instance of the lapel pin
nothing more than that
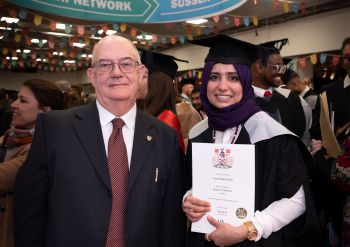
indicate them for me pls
(149, 138)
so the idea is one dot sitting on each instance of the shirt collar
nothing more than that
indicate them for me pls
(306, 89)
(347, 81)
(259, 92)
(106, 117)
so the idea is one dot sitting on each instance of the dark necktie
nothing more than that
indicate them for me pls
(118, 172)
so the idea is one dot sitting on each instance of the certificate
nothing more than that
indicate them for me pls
(224, 175)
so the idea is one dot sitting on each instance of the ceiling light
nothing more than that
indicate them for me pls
(94, 37)
(109, 32)
(197, 21)
(145, 37)
(14, 58)
(24, 51)
(69, 61)
(84, 55)
(40, 60)
(59, 34)
(90, 55)
(80, 45)
(60, 26)
(37, 41)
(8, 58)
(5, 28)
(9, 19)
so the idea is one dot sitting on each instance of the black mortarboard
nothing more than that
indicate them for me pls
(227, 50)
(277, 44)
(287, 60)
(159, 62)
(185, 81)
(266, 49)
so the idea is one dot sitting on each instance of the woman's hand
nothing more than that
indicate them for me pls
(314, 146)
(225, 234)
(195, 208)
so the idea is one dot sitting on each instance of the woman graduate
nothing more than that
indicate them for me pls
(157, 95)
(284, 213)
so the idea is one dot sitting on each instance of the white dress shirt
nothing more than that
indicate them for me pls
(347, 81)
(128, 130)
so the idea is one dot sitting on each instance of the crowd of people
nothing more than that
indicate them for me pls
(115, 168)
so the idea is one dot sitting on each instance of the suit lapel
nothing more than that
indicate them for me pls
(88, 129)
(143, 142)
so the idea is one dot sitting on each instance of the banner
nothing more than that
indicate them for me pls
(133, 11)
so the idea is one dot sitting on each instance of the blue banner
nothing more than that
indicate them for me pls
(132, 11)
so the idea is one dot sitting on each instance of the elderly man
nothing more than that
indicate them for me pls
(104, 174)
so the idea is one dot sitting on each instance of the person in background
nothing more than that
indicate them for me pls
(197, 103)
(284, 213)
(334, 201)
(103, 174)
(186, 87)
(281, 104)
(35, 96)
(5, 112)
(157, 89)
(75, 96)
(338, 95)
(63, 85)
(298, 86)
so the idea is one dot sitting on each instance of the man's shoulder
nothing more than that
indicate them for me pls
(334, 86)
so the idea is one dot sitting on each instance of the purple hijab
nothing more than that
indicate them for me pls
(233, 115)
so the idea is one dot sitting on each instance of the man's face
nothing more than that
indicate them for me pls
(114, 85)
(295, 85)
(271, 73)
(196, 100)
(346, 57)
(187, 89)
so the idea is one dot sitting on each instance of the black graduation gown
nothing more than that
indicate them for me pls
(289, 108)
(338, 99)
(279, 173)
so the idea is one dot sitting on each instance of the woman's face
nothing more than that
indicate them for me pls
(25, 109)
(224, 87)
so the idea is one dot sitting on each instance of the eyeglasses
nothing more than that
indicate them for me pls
(126, 65)
(280, 68)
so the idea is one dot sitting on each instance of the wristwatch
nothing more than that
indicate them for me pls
(252, 231)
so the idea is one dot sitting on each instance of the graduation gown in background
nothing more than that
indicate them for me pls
(286, 107)
(170, 119)
(338, 101)
(289, 109)
(279, 172)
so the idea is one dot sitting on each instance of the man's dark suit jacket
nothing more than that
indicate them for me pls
(63, 192)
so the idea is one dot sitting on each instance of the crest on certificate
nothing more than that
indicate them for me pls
(241, 213)
(222, 158)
